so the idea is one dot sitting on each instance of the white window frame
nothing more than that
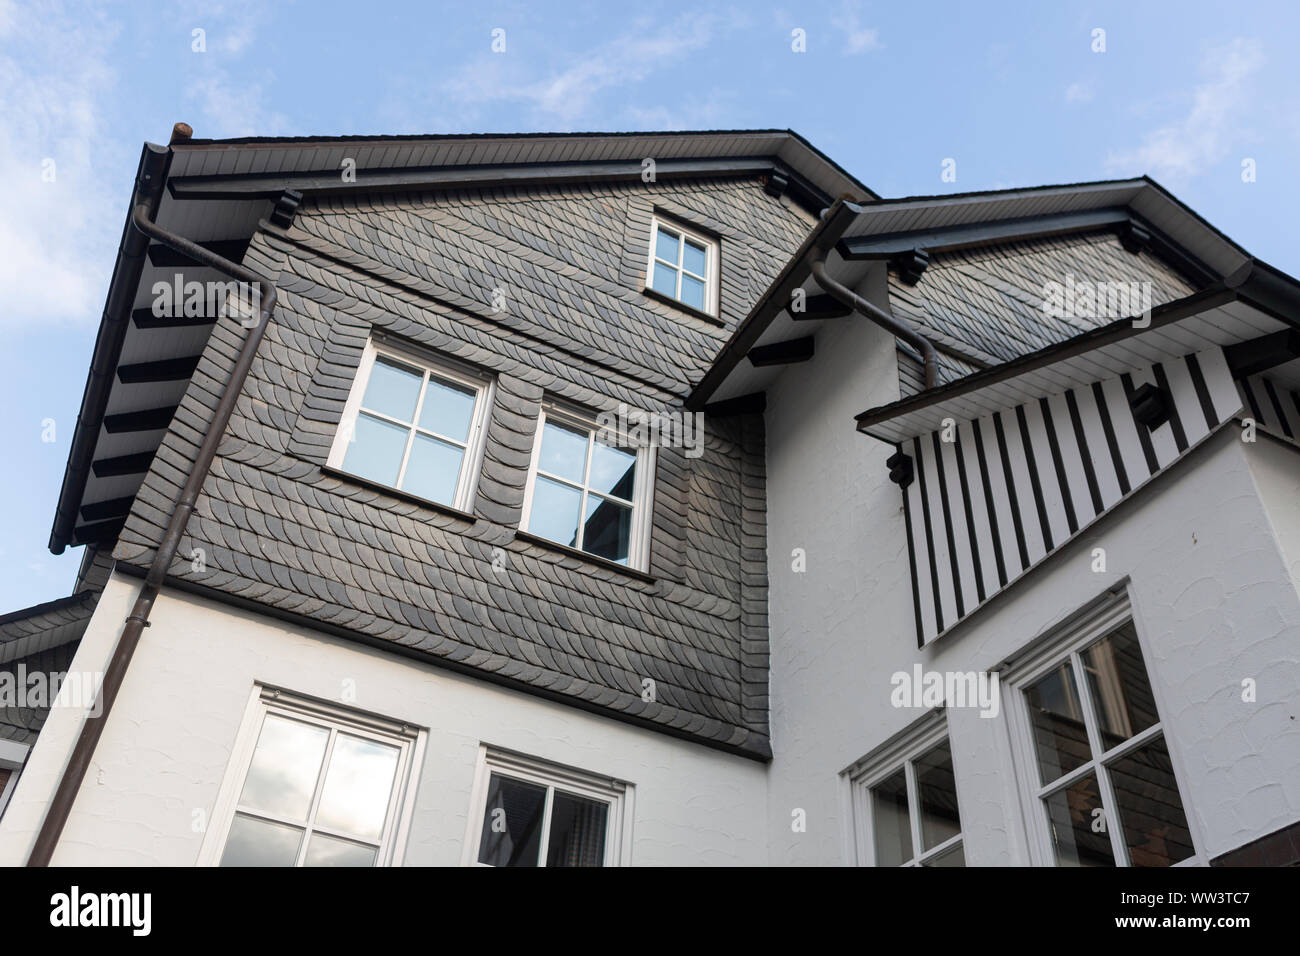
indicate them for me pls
(618, 794)
(638, 550)
(1067, 643)
(12, 757)
(482, 386)
(711, 263)
(899, 752)
(265, 701)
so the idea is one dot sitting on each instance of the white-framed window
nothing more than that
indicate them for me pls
(313, 784)
(12, 755)
(527, 812)
(587, 494)
(1090, 750)
(414, 425)
(904, 800)
(683, 265)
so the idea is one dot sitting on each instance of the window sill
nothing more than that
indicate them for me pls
(397, 493)
(593, 559)
(682, 306)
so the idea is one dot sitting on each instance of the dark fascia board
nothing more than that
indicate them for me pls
(951, 238)
(1107, 334)
(131, 254)
(794, 274)
(312, 182)
(759, 750)
(941, 198)
(328, 141)
(948, 238)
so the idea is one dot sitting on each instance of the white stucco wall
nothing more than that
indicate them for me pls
(165, 749)
(1276, 469)
(1213, 604)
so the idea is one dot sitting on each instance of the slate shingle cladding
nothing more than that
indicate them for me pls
(42, 639)
(986, 302)
(278, 531)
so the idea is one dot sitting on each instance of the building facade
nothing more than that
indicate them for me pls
(540, 532)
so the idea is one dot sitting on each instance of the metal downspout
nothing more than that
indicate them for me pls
(93, 727)
(847, 297)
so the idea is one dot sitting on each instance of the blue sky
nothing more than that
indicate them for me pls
(1015, 95)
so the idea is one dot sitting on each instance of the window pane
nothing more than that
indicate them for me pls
(693, 292)
(608, 529)
(392, 389)
(666, 245)
(1155, 827)
(555, 511)
(1117, 680)
(512, 823)
(327, 851)
(937, 794)
(376, 449)
(1079, 825)
(254, 842)
(577, 831)
(613, 471)
(357, 786)
(891, 826)
(1059, 731)
(665, 280)
(950, 857)
(448, 409)
(433, 469)
(564, 451)
(694, 257)
(285, 767)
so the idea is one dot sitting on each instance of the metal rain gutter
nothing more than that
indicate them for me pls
(868, 310)
(93, 727)
(149, 179)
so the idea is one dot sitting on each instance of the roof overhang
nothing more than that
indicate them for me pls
(1219, 316)
(264, 167)
(856, 237)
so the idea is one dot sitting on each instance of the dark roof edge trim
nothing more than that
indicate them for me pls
(150, 176)
(284, 141)
(400, 179)
(796, 271)
(58, 604)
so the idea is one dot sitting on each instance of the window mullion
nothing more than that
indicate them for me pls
(1110, 810)
(913, 808)
(316, 795)
(545, 844)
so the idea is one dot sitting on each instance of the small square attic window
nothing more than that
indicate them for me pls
(683, 265)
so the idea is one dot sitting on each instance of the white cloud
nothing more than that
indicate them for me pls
(563, 98)
(1183, 149)
(857, 38)
(1078, 93)
(56, 238)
